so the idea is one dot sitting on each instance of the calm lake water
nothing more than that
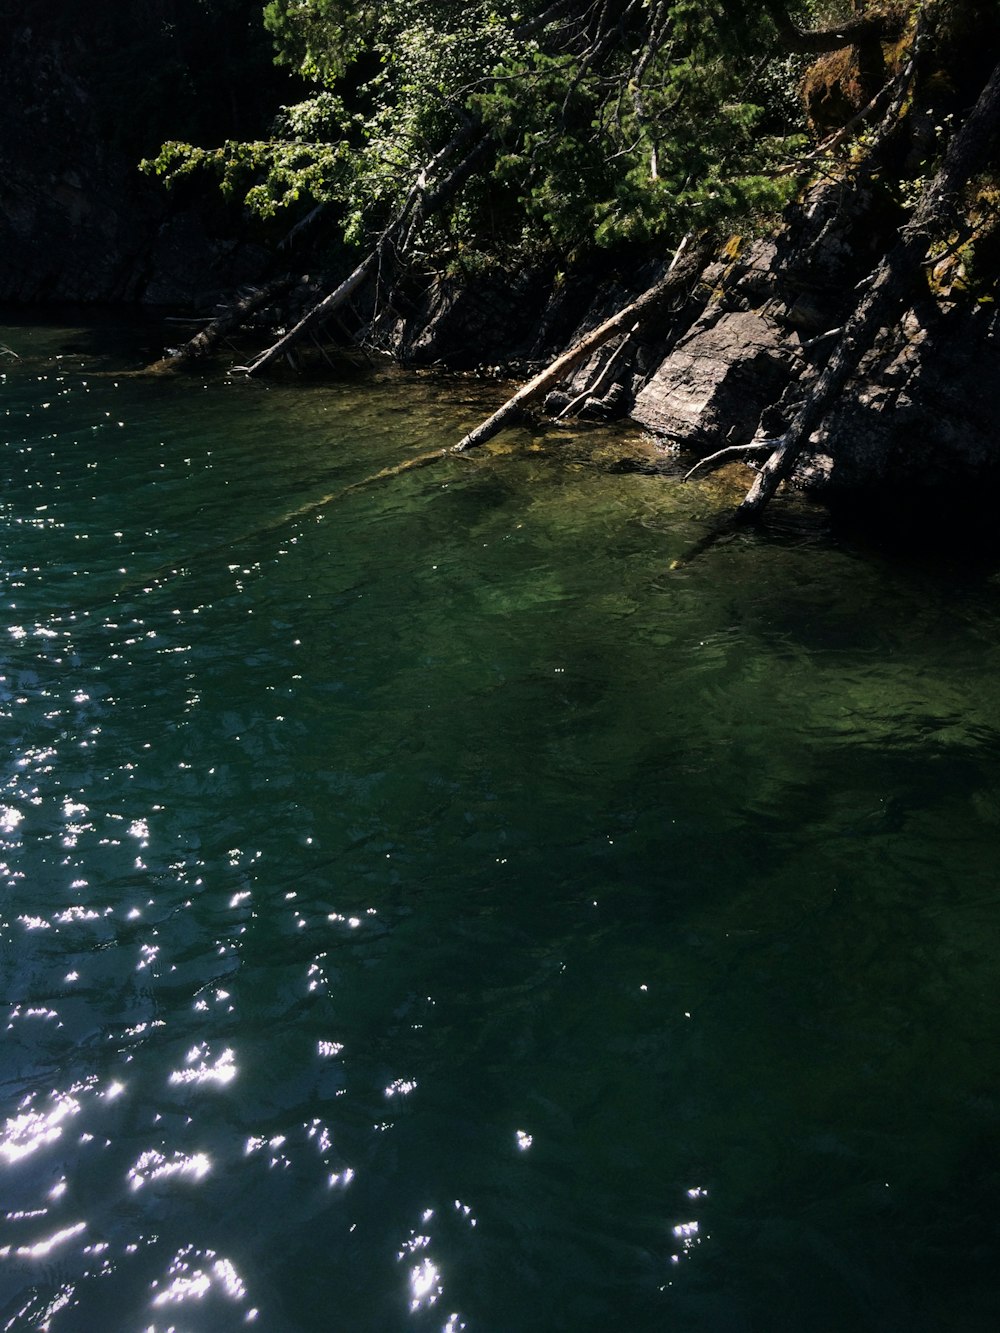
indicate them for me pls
(425, 909)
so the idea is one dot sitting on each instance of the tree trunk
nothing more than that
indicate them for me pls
(888, 291)
(314, 315)
(418, 204)
(676, 276)
(209, 338)
(865, 30)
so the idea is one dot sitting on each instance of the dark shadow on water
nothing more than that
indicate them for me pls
(128, 338)
(952, 532)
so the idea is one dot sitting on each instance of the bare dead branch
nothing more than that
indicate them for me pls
(732, 453)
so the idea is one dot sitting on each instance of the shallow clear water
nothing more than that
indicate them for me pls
(426, 909)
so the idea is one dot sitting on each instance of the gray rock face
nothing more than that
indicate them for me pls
(464, 325)
(717, 381)
(921, 413)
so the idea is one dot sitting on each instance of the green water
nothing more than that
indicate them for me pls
(431, 911)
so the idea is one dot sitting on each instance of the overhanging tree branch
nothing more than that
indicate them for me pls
(817, 41)
(417, 204)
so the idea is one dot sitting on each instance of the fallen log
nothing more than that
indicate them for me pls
(677, 275)
(313, 316)
(419, 202)
(209, 337)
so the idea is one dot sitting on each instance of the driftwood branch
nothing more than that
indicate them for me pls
(679, 273)
(604, 378)
(732, 453)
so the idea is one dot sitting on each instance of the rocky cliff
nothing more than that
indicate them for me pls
(918, 416)
(920, 412)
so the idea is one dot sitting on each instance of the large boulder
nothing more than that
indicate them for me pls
(717, 381)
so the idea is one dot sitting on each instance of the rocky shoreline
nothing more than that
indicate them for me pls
(81, 224)
(918, 418)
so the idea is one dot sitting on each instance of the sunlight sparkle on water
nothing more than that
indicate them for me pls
(223, 1071)
(43, 1248)
(152, 1166)
(188, 1282)
(139, 828)
(425, 1285)
(416, 1242)
(9, 818)
(24, 1134)
(401, 1087)
(688, 1233)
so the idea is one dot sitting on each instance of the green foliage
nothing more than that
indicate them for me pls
(664, 133)
(610, 124)
(269, 175)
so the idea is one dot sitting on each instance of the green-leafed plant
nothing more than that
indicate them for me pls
(621, 122)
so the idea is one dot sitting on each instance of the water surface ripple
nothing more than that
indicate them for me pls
(428, 910)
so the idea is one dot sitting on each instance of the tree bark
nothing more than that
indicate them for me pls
(888, 291)
(679, 272)
(209, 337)
(604, 379)
(817, 41)
(418, 203)
(314, 315)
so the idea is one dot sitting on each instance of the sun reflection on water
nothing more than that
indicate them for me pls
(194, 1275)
(153, 1166)
(24, 1134)
(200, 1071)
(41, 1249)
(425, 1285)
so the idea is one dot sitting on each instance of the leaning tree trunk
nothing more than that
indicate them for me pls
(419, 203)
(322, 310)
(888, 291)
(208, 339)
(676, 276)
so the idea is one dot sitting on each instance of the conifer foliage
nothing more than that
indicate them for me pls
(598, 124)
